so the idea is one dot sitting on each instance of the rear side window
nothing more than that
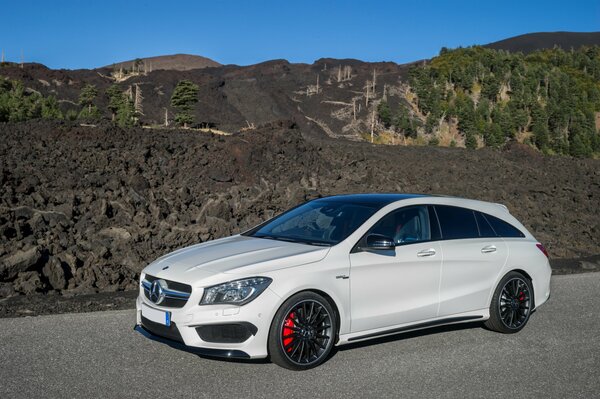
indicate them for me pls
(502, 228)
(485, 229)
(456, 222)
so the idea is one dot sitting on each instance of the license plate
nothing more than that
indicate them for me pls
(157, 316)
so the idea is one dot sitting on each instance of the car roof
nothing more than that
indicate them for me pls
(378, 199)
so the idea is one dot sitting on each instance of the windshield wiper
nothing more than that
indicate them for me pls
(294, 240)
(317, 243)
(278, 238)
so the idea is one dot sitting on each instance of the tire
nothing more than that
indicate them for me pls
(511, 305)
(303, 332)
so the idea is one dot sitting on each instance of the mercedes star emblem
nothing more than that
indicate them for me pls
(157, 292)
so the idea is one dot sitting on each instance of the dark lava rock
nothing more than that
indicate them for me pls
(19, 261)
(85, 212)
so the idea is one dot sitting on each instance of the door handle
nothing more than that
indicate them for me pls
(426, 252)
(488, 249)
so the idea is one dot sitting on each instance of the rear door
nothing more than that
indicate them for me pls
(397, 286)
(473, 257)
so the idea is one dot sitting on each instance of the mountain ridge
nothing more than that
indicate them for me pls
(174, 62)
(529, 42)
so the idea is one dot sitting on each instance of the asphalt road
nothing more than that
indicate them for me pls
(99, 355)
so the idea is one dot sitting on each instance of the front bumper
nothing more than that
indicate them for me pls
(232, 354)
(188, 325)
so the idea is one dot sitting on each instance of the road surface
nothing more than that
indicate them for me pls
(98, 355)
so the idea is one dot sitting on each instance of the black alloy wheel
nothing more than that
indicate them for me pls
(511, 305)
(303, 332)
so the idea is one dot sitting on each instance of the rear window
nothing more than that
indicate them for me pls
(456, 222)
(502, 228)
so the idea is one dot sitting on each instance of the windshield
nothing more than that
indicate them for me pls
(319, 222)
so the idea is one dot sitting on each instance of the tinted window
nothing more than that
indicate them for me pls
(434, 224)
(485, 230)
(502, 228)
(456, 222)
(405, 225)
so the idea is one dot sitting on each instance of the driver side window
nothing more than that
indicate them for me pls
(405, 225)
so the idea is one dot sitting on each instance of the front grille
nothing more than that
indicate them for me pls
(170, 332)
(169, 302)
(172, 284)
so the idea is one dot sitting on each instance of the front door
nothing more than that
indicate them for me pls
(392, 287)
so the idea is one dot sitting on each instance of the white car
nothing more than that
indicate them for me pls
(343, 269)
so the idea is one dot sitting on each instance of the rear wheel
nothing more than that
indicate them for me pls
(511, 305)
(303, 331)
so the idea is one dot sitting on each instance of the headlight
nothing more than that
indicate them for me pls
(238, 292)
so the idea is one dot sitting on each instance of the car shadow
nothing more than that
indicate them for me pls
(235, 359)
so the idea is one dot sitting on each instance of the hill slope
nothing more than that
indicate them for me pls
(175, 62)
(530, 42)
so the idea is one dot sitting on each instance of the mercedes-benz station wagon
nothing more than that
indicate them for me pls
(343, 269)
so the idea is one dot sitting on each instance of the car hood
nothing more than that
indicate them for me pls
(234, 255)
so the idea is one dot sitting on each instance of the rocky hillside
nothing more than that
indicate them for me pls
(333, 97)
(83, 210)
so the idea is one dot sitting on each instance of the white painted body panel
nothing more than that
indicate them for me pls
(383, 292)
(408, 293)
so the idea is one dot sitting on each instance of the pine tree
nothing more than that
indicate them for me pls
(384, 113)
(183, 99)
(86, 100)
(115, 100)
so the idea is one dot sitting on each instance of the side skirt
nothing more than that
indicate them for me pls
(420, 326)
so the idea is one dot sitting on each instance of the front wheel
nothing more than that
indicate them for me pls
(511, 305)
(302, 332)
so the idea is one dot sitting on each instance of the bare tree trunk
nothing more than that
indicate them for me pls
(129, 93)
(374, 80)
(354, 108)
(166, 117)
(137, 103)
(339, 76)
(347, 72)
(367, 96)
(317, 83)
(372, 124)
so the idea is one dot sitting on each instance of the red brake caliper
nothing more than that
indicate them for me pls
(287, 332)
(521, 296)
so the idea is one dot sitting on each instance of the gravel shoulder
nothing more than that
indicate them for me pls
(99, 355)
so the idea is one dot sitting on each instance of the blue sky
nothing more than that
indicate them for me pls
(86, 34)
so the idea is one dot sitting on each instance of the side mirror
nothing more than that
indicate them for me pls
(378, 242)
